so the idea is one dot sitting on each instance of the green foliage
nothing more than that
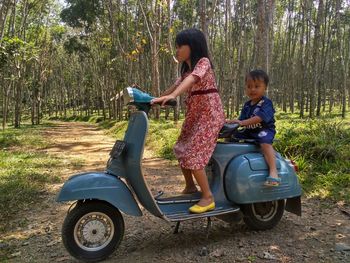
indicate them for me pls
(22, 176)
(57, 32)
(162, 137)
(28, 136)
(74, 44)
(321, 150)
(118, 129)
(315, 139)
(15, 49)
(81, 13)
(85, 118)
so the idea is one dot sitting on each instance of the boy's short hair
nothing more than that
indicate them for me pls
(258, 74)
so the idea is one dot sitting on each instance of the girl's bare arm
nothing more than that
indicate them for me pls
(169, 90)
(185, 85)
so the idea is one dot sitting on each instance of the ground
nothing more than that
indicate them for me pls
(314, 237)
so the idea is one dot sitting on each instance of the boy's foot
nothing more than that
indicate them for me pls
(187, 191)
(272, 181)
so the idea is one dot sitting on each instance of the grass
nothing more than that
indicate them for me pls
(321, 148)
(25, 169)
(161, 136)
(85, 118)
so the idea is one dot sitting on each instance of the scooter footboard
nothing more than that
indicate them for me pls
(100, 186)
(245, 176)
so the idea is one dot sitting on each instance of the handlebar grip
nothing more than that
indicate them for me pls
(171, 103)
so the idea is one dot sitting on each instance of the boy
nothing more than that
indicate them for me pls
(257, 116)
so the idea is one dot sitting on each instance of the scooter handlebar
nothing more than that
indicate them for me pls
(171, 102)
(228, 129)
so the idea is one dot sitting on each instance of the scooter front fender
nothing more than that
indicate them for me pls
(100, 186)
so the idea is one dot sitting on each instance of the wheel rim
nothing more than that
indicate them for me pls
(265, 211)
(94, 231)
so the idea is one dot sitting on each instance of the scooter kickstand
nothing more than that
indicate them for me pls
(176, 230)
(208, 226)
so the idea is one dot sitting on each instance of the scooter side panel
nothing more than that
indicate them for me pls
(135, 139)
(245, 176)
(101, 186)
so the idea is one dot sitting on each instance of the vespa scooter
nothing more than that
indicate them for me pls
(94, 227)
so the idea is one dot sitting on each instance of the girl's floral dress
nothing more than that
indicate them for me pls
(203, 121)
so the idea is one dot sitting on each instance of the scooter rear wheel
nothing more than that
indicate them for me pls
(92, 230)
(263, 216)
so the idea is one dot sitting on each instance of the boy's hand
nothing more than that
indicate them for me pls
(234, 121)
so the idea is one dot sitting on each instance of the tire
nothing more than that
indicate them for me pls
(92, 230)
(263, 216)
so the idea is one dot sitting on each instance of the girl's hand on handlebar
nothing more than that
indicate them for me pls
(162, 100)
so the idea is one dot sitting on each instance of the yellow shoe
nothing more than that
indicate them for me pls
(197, 209)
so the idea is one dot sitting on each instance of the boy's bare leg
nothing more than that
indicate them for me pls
(202, 180)
(269, 155)
(190, 186)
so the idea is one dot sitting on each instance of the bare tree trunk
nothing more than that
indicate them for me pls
(203, 18)
(5, 7)
(154, 33)
(343, 44)
(270, 9)
(18, 100)
(6, 92)
(315, 59)
(302, 64)
(261, 50)
(12, 24)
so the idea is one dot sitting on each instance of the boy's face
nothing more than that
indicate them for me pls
(255, 89)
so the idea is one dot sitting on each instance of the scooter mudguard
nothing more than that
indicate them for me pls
(245, 176)
(100, 186)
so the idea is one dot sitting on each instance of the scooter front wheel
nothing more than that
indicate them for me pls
(92, 230)
(264, 215)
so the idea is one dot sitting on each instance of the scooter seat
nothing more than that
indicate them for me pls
(236, 140)
(227, 130)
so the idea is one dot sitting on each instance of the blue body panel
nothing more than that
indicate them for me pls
(128, 164)
(245, 176)
(243, 170)
(101, 186)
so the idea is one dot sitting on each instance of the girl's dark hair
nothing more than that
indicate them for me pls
(195, 39)
(258, 74)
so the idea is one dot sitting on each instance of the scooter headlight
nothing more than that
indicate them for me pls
(134, 95)
(128, 95)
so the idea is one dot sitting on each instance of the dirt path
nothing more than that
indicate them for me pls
(314, 237)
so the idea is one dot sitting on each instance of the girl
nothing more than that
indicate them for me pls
(204, 116)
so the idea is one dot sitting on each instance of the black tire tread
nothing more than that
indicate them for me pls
(252, 222)
(75, 214)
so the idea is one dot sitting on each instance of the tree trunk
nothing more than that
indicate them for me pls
(315, 59)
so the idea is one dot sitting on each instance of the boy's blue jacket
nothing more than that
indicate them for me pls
(264, 109)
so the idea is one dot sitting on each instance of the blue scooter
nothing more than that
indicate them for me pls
(94, 228)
